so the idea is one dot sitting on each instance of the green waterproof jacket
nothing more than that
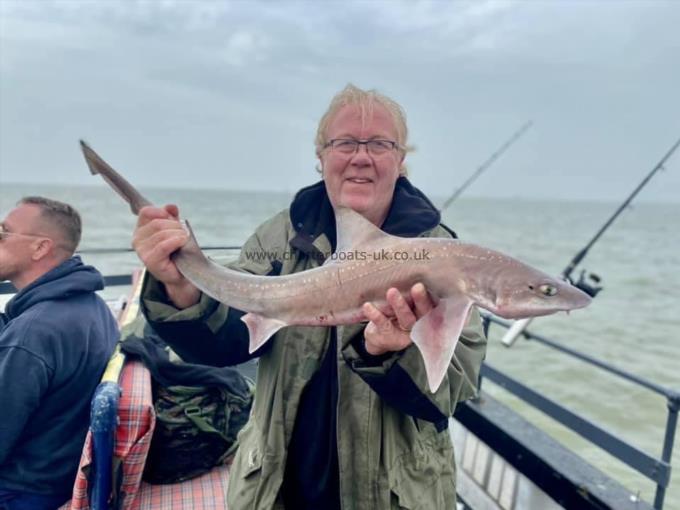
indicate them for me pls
(387, 459)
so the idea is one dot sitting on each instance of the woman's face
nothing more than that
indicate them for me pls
(362, 181)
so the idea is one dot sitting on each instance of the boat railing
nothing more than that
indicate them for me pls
(656, 469)
(117, 279)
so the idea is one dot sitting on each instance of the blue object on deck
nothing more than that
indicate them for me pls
(103, 421)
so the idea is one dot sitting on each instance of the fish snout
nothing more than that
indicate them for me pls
(567, 297)
(578, 298)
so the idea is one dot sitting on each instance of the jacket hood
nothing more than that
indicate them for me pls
(55, 285)
(411, 213)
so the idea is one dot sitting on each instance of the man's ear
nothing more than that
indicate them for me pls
(43, 247)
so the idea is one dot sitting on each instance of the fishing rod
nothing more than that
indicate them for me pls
(487, 163)
(519, 326)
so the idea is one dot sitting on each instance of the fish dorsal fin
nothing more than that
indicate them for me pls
(354, 232)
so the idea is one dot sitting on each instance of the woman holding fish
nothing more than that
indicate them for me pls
(343, 417)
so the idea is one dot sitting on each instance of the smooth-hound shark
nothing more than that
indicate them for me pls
(366, 263)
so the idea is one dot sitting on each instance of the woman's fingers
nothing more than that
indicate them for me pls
(383, 334)
(404, 317)
(380, 321)
(157, 236)
(421, 300)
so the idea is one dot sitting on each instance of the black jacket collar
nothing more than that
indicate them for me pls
(411, 214)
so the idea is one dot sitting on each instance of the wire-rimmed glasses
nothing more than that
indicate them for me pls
(375, 147)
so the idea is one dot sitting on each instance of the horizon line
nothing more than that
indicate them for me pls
(434, 198)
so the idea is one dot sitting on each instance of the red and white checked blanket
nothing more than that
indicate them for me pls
(133, 437)
(131, 446)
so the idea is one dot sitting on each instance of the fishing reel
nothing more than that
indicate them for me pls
(588, 283)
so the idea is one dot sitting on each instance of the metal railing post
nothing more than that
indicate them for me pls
(486, 324)
(673, 402)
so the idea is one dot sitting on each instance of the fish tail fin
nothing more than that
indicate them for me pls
(100, 167)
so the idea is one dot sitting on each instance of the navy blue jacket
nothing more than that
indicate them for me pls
(56, 337)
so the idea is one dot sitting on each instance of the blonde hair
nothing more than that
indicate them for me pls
(365, 100)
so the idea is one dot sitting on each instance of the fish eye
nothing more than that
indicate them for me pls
(548, 290)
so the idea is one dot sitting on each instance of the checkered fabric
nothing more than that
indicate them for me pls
(207, 492)
(133, 437)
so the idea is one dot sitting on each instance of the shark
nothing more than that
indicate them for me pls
(366, 263)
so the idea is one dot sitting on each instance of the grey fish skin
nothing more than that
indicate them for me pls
(368, 262)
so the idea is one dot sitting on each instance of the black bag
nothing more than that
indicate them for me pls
(196, 429)
(199, 411)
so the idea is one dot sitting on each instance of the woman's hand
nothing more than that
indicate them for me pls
(157, 236)
(390, 331)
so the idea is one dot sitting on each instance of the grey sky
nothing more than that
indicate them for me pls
(228, 94)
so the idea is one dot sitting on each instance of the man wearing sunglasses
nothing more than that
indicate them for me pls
(56, 336)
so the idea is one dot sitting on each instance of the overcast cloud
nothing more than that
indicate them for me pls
(228, 94)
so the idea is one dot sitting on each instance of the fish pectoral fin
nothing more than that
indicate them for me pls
(261, 329)
(436, 335)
